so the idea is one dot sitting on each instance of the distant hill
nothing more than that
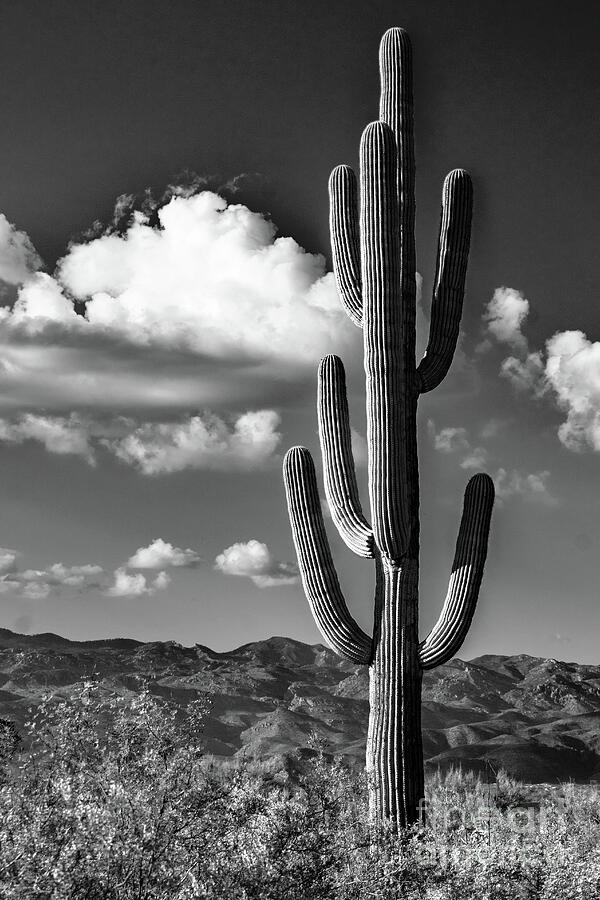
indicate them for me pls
(537, 718)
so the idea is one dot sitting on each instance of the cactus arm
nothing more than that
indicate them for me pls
(448, 634)
(449, 288)
(319, 577)
(341, 489)
(345, 244)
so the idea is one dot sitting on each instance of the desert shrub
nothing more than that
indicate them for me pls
(102, 803)
(509, 792)
(116, 799)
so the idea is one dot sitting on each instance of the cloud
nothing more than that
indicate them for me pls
(36, 590)
(508, 484)
(504, 315)
(573, 373)
(214, 278)
(128, 585)
(56, 433)
(36, 584)
(532, 486)
(18, 257)
(56, 372)
(203, 442)
(456, 440)
(525, 375)
(253, 560)
(74, 576)
(8, 560)
(162, 581)
(160, 555)
(568, 369)
(476, 458)
(448, 440)
(205, 305)
(31, 574)
(41, 302)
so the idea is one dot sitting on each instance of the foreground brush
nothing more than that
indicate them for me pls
(374, 263)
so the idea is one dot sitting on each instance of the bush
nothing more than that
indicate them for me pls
(116, 799)
(509, 792)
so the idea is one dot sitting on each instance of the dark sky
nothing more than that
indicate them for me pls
(101, 99)
(104, 98)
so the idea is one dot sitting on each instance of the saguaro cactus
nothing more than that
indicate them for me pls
(374, 263)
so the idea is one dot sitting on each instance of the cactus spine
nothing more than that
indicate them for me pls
(374, 264)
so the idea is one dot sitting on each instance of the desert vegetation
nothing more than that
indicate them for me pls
(117, 798)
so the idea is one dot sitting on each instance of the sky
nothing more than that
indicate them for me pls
(166, 295)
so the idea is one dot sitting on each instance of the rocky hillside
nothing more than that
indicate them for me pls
(538, 718)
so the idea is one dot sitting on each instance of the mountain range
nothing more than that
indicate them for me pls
(537, 718)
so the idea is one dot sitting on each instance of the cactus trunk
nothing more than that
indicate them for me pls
(374, 264)
(394, 746)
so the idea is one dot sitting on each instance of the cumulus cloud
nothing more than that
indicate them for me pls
(42, 302)
(36, 590)
(568, 369)
(504, 316)
(160, 555)
(513, 483)
(213, 277)
(8, 560)
(36, 584)
(18, 257)
(58, 434)
(532, 486)
(127, 584)
(525, 374)
(573, 373)
(476, 458)
(74, 576)
(456, 440)
(254, 560)
(31, 574)
(206, 306)
(162, 581)
(203, 442)
(448, 440)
